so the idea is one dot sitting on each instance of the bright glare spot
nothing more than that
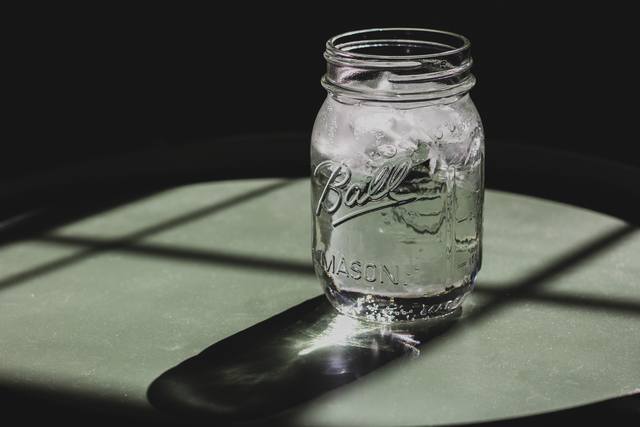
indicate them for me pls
(344, 331)
(348, 332)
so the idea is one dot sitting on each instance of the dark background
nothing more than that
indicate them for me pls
(87, 82)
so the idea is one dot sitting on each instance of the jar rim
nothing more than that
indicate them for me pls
(398, 64)
(347, 49)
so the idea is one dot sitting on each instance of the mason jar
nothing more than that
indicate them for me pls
(397, 173)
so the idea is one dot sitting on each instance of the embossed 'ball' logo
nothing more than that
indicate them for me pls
(374, 193)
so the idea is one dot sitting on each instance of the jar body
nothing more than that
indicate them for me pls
(397, 197)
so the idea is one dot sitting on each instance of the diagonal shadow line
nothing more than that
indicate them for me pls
(200, 213)
(246, 261)
(304, 268)
(522, 288)
(307, 269)
(129, 239)
(566, 300)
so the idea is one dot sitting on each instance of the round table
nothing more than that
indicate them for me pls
(177, 285)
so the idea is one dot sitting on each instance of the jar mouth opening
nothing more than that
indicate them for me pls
(396, 44)
(398, 64)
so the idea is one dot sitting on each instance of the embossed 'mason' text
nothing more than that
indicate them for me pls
(357, 270)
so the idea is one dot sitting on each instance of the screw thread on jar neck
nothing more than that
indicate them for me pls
(398, 65)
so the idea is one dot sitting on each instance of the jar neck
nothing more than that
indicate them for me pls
(398, 65)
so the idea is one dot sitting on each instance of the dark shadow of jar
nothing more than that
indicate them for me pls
(283, 362)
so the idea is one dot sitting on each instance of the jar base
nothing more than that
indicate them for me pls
(389, 309)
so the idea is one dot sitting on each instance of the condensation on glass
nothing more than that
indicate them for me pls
(397, 172)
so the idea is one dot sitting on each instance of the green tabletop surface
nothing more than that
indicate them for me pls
(200, 303)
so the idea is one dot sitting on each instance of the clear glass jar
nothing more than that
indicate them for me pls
(397, 172)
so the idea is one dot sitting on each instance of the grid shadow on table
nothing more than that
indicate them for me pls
(286, 325)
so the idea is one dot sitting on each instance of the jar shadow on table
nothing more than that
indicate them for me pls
(285, 361)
